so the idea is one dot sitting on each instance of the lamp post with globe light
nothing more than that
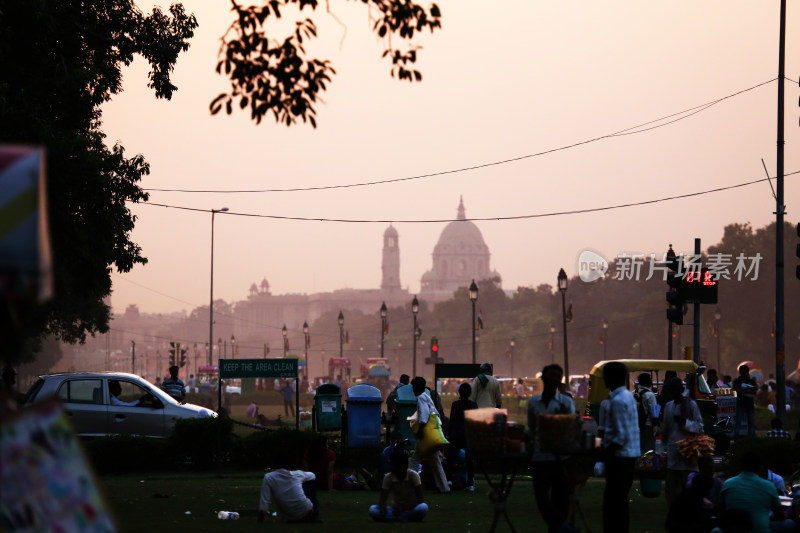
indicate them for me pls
(562, 288)
(473, 297)
(414, 311)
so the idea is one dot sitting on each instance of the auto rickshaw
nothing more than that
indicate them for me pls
(695, 383)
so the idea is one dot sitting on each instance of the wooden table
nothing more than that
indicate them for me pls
(500, 470)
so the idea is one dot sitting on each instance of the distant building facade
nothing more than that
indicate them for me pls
(460, 255)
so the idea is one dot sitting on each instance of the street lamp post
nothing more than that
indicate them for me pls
(284, 332)
(341, 334)
(562, 288)
(717, 316)
(414, 311)
(233, 347)
(605, 337)
(552, 338)
(211, 302)
(305, 343)
(511, 355)
(383, 325)
(473, 297)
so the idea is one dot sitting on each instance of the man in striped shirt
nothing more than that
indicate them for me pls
(620, 448)
(174, 386)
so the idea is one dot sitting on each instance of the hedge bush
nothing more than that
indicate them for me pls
(203, 442)
(200, 444)
(270, 449)
(121, 454)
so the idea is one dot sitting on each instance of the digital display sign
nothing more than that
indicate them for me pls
(699, 286)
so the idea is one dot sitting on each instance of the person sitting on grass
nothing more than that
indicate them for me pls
(293, 492)
(320, 460)
(405, 487)
(689, 512)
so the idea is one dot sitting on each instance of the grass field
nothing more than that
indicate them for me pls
(167, 503)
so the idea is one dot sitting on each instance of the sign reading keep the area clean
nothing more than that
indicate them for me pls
(257, 368)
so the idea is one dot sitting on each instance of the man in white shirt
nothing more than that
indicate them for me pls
(426, 409)
(550, 484)
(115, 389)
(294, 494)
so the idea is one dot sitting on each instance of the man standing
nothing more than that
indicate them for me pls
(486, 388)
(746, 389)
(288, 398)
(391, 399)
(682, 420)
(620, 448)
(426, 409)
(519, 389)
(550, 484)
(174, 386)
(645, 400)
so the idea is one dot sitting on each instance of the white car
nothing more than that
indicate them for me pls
(87, 401)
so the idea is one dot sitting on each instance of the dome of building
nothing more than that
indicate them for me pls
(460, 255)
(390, 232)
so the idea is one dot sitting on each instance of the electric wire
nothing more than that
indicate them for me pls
(627, 131)
(476, 219)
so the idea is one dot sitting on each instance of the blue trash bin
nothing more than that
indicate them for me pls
(364, 416)
(328, 407)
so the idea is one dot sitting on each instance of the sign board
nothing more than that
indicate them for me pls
(699, 287)
(258, 368)
(432, 361)
(456, 370)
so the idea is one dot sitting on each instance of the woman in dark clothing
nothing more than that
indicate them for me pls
(457, 435)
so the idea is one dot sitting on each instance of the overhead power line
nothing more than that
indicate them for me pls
(476, 219)
(640, 128)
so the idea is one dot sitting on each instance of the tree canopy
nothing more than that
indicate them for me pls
(62, 59)
(273, 74)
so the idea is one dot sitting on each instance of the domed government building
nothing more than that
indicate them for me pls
(460, 255)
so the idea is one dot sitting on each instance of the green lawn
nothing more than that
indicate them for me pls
(188, 502)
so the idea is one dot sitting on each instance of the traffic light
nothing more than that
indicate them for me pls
(434, 347)
(675, 295)
(797, 252)
(183, 356)
(171, 354)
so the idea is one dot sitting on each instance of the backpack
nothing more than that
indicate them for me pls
(637, 395)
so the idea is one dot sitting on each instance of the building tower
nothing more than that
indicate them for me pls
(391, 261)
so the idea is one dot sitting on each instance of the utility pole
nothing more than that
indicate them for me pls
(696, 324)
(133, 357)
(780, 341)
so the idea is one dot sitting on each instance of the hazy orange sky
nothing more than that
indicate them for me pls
(501, 80)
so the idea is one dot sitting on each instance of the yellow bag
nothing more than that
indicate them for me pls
(432, 438)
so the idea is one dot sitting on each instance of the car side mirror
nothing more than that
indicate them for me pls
(156, 403)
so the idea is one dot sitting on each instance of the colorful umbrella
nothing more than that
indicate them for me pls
(755, 370)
